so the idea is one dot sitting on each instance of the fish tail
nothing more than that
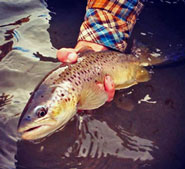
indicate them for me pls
(176, 53)
(145, 56)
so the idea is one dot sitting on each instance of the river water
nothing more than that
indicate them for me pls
(142, 128)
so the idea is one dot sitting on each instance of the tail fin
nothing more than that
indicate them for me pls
(146, 57)
(176, 53)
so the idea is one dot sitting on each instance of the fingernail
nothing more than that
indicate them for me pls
(72, 55)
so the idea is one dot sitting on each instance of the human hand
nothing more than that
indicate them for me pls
(70, 55)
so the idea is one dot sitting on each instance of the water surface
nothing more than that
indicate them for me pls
(143, 127)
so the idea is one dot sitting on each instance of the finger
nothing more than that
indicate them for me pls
(109, 87)
(100, 85)
(67, 55)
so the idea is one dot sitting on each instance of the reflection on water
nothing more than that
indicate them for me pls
(147, 99)
(18, 22)
(97, 139)
(94, 139)
(143, 127)
(4, 100)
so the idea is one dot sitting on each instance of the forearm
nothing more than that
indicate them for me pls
(110, 22)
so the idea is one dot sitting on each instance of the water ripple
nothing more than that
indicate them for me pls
(96, 139)
(5, 99)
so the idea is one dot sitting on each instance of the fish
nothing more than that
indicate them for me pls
(73, 87)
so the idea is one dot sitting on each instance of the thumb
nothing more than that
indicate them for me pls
(67, 55)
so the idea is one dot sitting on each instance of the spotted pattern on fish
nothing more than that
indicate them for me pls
(71, 87)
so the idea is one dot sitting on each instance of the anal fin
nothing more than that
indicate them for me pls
(125, 85)
(140, 75)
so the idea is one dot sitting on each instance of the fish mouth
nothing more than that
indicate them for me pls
(35, 132)
(28, 129)
(31, 129)
(36, 129)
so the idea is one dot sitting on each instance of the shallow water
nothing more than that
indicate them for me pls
(143, 127)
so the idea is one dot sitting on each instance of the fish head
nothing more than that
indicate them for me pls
(48, 109)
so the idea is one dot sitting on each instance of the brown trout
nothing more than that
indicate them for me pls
(66, 89)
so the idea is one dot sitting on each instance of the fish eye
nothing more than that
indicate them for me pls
(41, 111)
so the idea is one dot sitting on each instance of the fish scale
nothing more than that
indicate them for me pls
(93, 66)
(69, 88)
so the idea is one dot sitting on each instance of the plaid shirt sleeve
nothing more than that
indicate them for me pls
(109, 22)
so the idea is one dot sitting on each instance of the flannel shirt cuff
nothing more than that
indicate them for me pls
(109, 26)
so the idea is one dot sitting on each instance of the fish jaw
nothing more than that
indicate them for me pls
(36, 130)
(35, 133)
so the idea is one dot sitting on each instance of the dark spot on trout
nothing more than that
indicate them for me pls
(68, 99)
(76, 83)
(62, 94)
(73, 89)
(69, 79)
(52, 91)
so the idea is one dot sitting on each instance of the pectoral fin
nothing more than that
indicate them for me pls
(92, 97)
